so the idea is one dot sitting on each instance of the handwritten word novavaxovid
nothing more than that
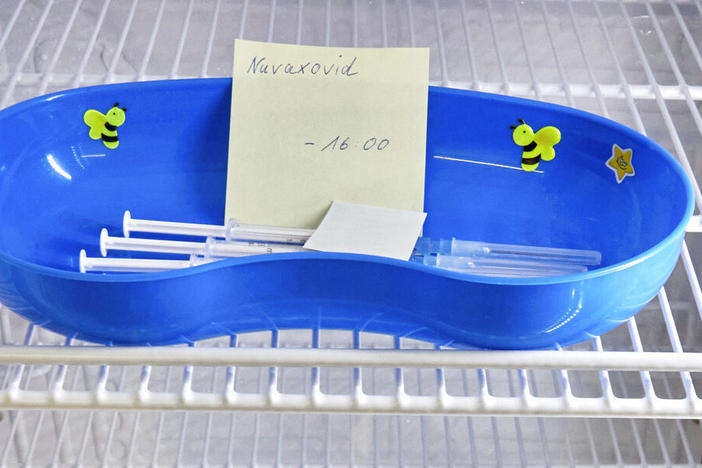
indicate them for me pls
(261, 66)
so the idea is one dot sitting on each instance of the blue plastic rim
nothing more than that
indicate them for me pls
(58, 188)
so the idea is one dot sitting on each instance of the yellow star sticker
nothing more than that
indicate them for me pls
(620, 163)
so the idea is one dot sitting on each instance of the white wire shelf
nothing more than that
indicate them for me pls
(461, 382)
(636, 62)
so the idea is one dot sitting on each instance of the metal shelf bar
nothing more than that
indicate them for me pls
(18, 437)
(113, 424)
(132, 439)
(678, 425)
(469, 49)
(63, 444)
(19, 386)
(141, 75)
(506, 87)
(181, 42)
(271, 21)
(120, 45)
(210, 39)
(25, 56)
(495, 441)
(405, 358)
(11, 24)
(410, 22)
(159, 428)
(242, 23)
(327, 31)
(692, 278)
(542, 428)
(634, 429)
(77, 79)
(591, 74)
(527, 55)
(440, 41)
(677, 346)
(208, 426)
(638, 347)
(615, 442)
(559, 66)
(613, 406)
(517, 88)
(384, 22)
(59, 48)
(677, 143)
(518, 428)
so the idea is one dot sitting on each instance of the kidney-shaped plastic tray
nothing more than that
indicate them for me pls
(58, 188)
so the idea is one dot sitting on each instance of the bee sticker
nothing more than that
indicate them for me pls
(537, 146)
(620, 162)
(104, 126)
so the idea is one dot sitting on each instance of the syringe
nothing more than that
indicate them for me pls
(514, 252)
(487, 266)
(233, 230)
(463, 248)
(210, 248)
(136, 265)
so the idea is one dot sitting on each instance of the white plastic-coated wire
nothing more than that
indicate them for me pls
(634, 428)
(11, 24)
(78, 78)
(678, 425)
(688, 36)
(210, 39)
(59, 48)
(120, 45)
(25, 56)
(469, 49)
(665, 113)
(638, 347)
(141, 74)
(94, 388)
(181, 41)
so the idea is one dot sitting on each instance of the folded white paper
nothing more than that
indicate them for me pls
(369, 230)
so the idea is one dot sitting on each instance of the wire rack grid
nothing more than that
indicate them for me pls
(637, 62)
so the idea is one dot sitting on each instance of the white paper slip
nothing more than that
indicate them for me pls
(370, 230)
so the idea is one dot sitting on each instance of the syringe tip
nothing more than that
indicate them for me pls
(126, 221)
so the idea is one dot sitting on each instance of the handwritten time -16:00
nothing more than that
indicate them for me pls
(341, 143)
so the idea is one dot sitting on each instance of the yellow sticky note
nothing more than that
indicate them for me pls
(314, 124)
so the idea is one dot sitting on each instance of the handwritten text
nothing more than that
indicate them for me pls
(261, 66)
(340, 143)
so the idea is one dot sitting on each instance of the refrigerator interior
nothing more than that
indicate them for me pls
(636, 62)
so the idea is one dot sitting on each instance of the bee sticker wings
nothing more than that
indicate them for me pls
(535, 146)
(104, 126)
(96, 121)
(546, 138)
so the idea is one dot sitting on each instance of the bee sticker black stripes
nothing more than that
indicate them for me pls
(104, 126)
(535, 146)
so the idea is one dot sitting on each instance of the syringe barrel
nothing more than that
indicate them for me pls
(108, 243)
(501, 266)
(464, 248)
(237, 249)
(256, 232)
(128, 265)
(130, 224)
